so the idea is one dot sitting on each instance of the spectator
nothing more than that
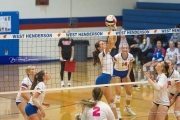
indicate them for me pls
(134, 50)
(66, 52)
(171, 52)
(158, 57)
(144, 47)
(175, 36)
(137, 38)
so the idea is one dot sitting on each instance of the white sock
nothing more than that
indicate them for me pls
(128, 105)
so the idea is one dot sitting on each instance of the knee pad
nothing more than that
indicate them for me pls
(117, 99)
(112, 105)
(128, 97)
(144, 68)
(151, 68)
(177, 113)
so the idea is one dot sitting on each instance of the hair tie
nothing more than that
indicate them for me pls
(37, 74)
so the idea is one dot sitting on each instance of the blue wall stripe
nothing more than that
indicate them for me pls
(63, 20)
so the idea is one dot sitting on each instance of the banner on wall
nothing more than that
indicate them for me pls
(5, 24)
(9, 24)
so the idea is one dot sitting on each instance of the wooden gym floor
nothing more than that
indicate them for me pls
(63, 103)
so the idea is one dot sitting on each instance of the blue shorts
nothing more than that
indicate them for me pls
(30, 109)
(103, 79)
(173, 94)
(17, 103)
(121, 74)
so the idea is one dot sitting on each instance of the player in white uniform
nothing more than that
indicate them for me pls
(23, 98)
(122, 69)
(37, 97)
(95, 109)
(161, 102)
(102, 56)
(174, 88)
(171, 52)
(178, 57)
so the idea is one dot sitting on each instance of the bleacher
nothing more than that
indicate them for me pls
(150, 15)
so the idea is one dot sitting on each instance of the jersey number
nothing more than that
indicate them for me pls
(96, 111)
(124, 64)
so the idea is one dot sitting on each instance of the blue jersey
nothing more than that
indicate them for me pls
(159, 54)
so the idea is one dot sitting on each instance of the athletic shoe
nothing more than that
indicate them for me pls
(77, 117)
(62, 84)
(69, 83)
(136, 86)
(119, 114)
(128, 110)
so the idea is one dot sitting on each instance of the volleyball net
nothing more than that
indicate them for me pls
(41, 50)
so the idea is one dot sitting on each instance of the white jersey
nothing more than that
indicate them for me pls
(170, 54)
(123, 64)
(178, 56)
(101, 111)
(26, 83)
(106, 62)
(161, 96)
(172, 84)
(40, 86)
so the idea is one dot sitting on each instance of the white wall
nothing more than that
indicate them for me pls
(61, 8)
(58, 9)
(162, 1)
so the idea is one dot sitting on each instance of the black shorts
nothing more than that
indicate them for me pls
(159, 104)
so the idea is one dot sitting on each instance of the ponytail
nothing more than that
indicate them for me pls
(96, 54)
(96, 57)
(37, 78)
(171, 66)
(87, 103)
(97, 95)
(166, 67)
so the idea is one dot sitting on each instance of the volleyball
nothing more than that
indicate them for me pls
(110, 20)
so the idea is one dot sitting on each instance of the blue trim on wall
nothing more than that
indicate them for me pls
(63, 20)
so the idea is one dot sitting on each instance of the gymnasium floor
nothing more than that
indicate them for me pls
(63, 103)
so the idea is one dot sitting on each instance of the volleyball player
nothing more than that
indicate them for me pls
(95, 109)
(66, 52)
(178, 57)
(37, 97)
(122, 69)
(174, 88)
(23, 98)
(161, 102)
(102, 56)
